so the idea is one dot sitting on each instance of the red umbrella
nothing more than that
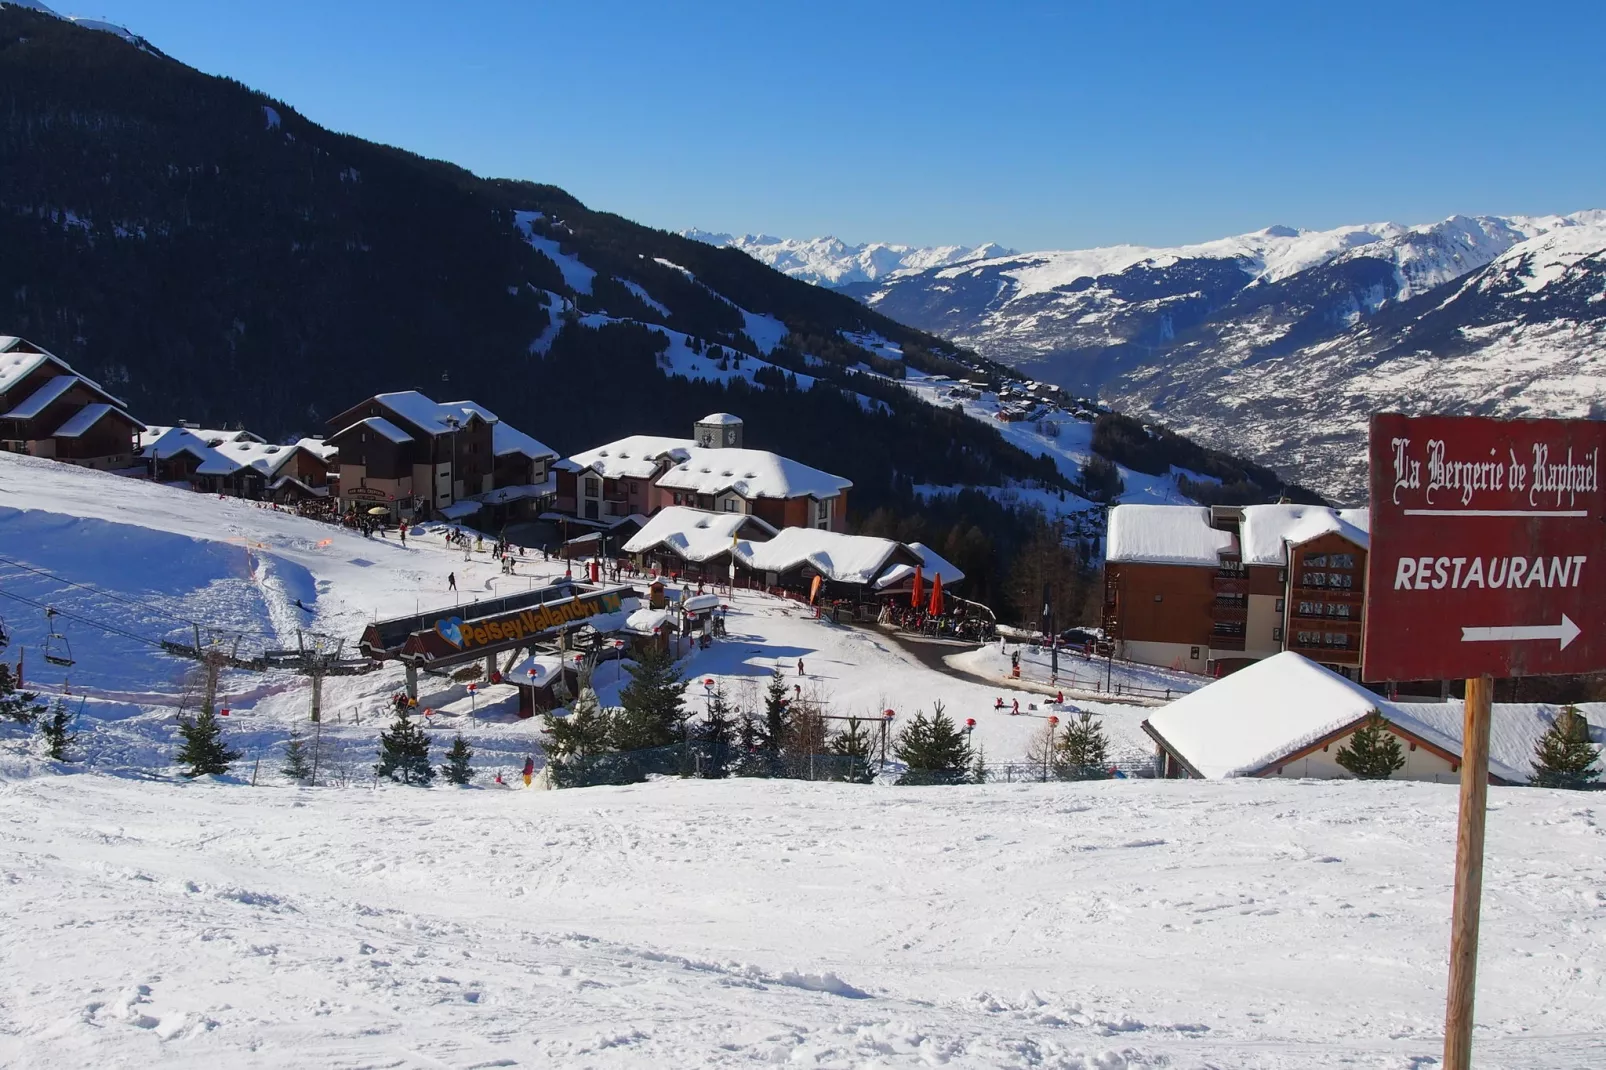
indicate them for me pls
(936, 595)
(919, 589)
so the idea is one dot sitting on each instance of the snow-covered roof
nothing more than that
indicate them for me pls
(1166, 535)
(751, 474)
(538, 670)
(1514, 728)
(88, 417)
(263, 456)
(720, 418)
(431, 416)
(1247, 721)
(35, 403)
(164, 442)
(1268, 530)
(506, 440)
(319, 448)
(633, 457)
(380, 425)
(460, 509)
(15, 363)
(839, 557)
(518, 492)
(693, 534)
(931, 567)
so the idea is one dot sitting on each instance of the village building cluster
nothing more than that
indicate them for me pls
(1211, 589)
(701, 509)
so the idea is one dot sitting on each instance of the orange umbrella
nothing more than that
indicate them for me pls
(919, 589)
(936, 595)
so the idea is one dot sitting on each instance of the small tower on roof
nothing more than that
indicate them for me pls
(719, 430)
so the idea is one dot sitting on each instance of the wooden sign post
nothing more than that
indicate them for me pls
(1468, 875)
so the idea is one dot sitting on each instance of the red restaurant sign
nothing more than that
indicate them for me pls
(1488, 548)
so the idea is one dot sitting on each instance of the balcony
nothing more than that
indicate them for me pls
(1226, 642)
(1230, 583)
(1354, 617)
(1233, 611)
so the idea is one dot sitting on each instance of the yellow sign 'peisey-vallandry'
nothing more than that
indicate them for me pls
(523, 624)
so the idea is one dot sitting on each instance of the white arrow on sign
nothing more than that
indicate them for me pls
(1566, 631)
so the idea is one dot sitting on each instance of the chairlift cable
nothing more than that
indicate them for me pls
(130, 601)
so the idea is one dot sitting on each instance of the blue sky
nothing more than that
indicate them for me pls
(1035, 125)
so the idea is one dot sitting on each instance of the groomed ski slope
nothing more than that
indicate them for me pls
(733, 923)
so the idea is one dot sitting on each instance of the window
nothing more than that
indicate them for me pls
(1193, 653)
(1340, 609)
(1314, 579)
(1340, 579)
(593, 487)
(1282, 575)
(1277, 635)
(635, 488)
(1279, 605)
(1159, 598)
(730, 505)
(1316, 561)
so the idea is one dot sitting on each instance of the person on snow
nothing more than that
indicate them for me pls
(451, 581)
(1059, 698)
(998, 703)
(1014, 710)
(529, 770)
(402, 531)
(800, 666)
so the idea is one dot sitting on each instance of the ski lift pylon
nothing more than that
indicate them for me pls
(58, 651)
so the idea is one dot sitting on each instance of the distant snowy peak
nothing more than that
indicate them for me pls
(77, 20)
(832, 262)
(1424, 256)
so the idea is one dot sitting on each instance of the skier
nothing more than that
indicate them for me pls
(451, 581)
(1015, 708)
(302, 607)
(800, 666)
(402, 531)
(529, 770)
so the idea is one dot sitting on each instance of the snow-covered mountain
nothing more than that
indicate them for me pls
(1278, 343)
(832, 262)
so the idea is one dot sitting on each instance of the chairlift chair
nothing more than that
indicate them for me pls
(5, 636)
(58, 651)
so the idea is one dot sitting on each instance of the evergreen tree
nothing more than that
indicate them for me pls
(1373, 752)
(582, 734)
(776, 733)
(54, 729)
(1083, 752)
(750, 759)
(653, 713)
(20, 707)
(456, 770)
(978, 768)
(933, 749)
(204, 750)
(296, 765)
(715, 736)
(404, 753)
(853, 743)
(1564, 757)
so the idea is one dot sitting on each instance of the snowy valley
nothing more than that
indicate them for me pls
(1275, 345)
